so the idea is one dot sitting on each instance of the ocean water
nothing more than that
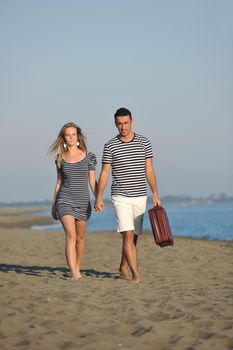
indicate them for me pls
(207, 221)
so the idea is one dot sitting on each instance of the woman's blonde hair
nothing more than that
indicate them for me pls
(60, 141)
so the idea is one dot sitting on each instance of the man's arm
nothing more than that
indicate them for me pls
(103, 179)
(151, 179)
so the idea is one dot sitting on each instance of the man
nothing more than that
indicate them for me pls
(130, 157)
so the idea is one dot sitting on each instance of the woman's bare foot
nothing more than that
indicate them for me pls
(76, 276)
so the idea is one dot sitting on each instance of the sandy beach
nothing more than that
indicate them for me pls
(184, 300)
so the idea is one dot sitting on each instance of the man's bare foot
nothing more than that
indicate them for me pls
(135, 278)
(124, 273)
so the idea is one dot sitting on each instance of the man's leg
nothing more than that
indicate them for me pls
(125, 225)
(130, 254)
(123, 269)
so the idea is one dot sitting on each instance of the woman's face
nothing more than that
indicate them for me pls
(70, 136)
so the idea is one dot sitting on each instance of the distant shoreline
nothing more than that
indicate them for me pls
(23, 216)
(29, 217)
(165, 200)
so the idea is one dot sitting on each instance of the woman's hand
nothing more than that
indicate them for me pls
(54, 212)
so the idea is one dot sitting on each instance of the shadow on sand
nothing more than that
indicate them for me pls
(37, 271)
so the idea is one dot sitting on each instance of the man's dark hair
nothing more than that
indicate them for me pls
(122, 112)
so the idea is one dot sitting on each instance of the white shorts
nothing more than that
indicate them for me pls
(129, 213)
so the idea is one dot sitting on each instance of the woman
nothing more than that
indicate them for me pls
(71, 201)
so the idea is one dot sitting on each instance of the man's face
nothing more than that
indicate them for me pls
(124, 125)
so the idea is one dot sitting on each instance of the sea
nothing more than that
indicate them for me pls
(211, 221)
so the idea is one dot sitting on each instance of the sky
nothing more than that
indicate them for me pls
(169, 62)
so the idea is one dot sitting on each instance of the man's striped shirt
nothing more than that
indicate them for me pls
(128, 161)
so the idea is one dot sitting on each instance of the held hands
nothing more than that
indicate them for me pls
(99, 205)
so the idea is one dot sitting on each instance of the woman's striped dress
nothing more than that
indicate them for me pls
(73, 197)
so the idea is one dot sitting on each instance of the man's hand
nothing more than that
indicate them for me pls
(156, 199)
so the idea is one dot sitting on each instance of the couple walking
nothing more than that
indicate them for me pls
(130, 158)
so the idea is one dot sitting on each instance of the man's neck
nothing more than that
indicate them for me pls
(126, 138)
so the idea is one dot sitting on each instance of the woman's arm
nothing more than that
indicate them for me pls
(57, 187)
(93, 182)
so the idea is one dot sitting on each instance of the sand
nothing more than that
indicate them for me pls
(184, 300)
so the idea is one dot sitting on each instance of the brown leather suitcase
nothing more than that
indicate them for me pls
(160, 226)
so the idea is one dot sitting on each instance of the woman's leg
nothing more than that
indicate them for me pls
(68, 223)
(80, 227)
